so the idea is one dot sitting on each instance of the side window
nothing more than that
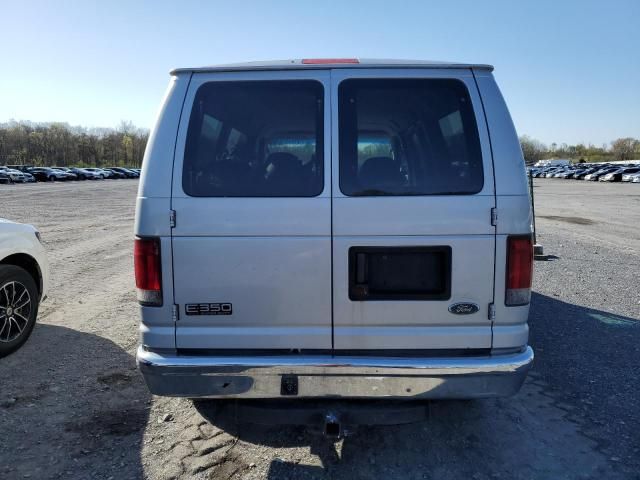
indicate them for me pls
(255, 139)
(408, 137)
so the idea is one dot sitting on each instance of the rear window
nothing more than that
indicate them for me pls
(255, 139)
(408, 137)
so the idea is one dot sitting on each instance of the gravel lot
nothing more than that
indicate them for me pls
(72, 404)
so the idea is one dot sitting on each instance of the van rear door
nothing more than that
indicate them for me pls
(251, 194)
(413, 240)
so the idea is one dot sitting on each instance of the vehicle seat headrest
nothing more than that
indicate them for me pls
(379, 172)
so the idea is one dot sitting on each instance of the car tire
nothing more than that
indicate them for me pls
(15, 329)
(51, 178)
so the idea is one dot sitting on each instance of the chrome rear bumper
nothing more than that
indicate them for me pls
(334, 377)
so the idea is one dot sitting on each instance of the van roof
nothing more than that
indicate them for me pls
(323, 63)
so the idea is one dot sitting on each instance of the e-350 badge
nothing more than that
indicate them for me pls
(208, 308)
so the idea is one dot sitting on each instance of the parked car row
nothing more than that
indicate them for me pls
(603, 172)
(27, 173)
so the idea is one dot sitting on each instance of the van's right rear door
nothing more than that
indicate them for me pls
(413, 193)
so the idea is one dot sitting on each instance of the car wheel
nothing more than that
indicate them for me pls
(18, 307)
(51, 178)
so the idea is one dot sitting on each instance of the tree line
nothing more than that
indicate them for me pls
(621, 149)
(59, 144)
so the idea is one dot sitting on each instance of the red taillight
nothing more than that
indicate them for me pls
(146, 260)
(323, 61)
(519, 270)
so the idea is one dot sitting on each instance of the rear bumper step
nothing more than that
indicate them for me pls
(334, 377)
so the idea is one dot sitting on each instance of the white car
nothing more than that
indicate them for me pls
(98, 172)
(336, 228)
(24, 278)
(630, 177)
(15, 176)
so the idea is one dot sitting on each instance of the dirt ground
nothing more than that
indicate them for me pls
(72, 404)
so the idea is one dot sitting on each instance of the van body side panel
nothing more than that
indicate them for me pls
(511, 336)
(510, 175)
(267, 259)
(510, 327)
(157, 165)
(459, 222)
(515, 217)
(157, 328)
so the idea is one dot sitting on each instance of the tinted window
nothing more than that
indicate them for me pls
(408, 137)
(255, 139)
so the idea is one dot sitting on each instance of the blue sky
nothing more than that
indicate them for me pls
(570, 71)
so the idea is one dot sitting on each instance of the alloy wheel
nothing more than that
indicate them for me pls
(15, 310)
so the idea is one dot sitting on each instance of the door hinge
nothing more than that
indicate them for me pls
(174, 313)
(172, 218)
(492, 311)
(494, 216)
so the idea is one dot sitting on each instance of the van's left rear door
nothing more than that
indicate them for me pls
(252, 259)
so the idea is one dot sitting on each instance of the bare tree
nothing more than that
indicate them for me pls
(532, 149)
(626, 148)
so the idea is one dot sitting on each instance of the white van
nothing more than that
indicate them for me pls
(335, 228)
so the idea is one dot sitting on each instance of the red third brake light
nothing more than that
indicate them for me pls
(519, 270)
(146, 260)
(322, 61)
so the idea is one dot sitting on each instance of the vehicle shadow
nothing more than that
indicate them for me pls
(72, 405)
(366, 452)
(530, 435)
(589, 358)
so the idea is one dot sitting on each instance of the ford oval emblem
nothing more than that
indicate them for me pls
(464, 308)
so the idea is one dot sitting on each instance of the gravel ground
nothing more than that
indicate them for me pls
(72, 404)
